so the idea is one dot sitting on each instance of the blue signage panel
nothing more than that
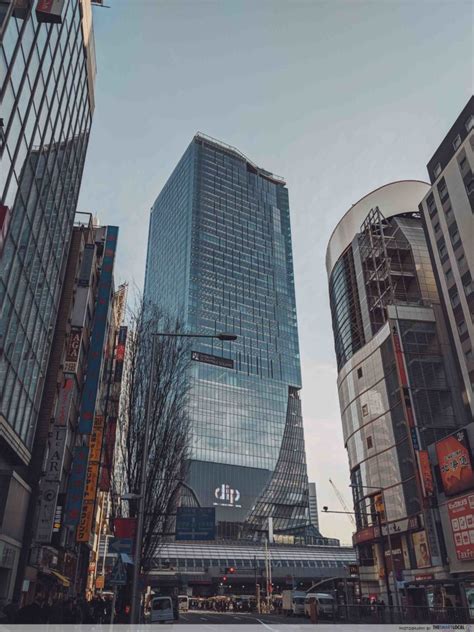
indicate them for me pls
(75, 490)
(94, 358)
(196, 523)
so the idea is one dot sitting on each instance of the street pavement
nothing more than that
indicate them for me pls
(205, 618)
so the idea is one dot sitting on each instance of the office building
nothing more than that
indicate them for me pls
(220, 257)
(399, 390)
(447, 210)
(47, 75)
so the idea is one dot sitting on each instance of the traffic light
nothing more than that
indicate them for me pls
(224, 579)
(230, 569)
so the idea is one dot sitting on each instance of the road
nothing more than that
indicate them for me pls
(205, 618)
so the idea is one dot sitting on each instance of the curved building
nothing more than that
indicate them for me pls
(220, 256)
(397, 382)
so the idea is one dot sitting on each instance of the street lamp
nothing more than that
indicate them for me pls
(227, 337)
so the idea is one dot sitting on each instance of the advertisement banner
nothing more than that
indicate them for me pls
(73, 350)
(422, 553)
(92, 475)
(425, 472)
(84, 528)
(76, 485)
(95, 442)
(94, 358)
(461, 517)
(47, 511)
(455, 464)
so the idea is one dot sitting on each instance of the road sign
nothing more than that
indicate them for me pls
(121, 545)
(119, 574)
(196, 523)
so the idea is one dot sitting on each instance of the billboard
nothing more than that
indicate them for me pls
(108, 454)
(461, 517)
(420, 546)
(231, 489)
(95, 356)
(455, 463)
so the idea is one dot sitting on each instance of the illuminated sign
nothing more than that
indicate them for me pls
(227, 496)
(455, 464)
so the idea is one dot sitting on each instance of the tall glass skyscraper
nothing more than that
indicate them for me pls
(220, 257)
(47, 71)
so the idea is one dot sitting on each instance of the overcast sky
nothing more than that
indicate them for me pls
(339, 97)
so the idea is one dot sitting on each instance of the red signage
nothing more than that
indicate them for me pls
(364, 535)
(425, 472)
(461, 517)
(455, 465)
(125, 527)
(108, 454)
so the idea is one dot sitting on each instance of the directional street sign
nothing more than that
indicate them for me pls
(121, 545)
(119, 574)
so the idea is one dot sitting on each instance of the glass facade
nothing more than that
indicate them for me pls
(220, 257)
(46, 103)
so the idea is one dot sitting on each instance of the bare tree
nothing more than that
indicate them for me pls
(169, 426)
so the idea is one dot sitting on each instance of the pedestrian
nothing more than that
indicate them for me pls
(33, 612)
(10, 611)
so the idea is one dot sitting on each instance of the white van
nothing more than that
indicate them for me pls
(161, 610)
(326, 605)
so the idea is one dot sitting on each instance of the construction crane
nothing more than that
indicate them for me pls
(343, 504)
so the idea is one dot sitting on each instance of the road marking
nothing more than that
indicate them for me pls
(203, 618)
(265, 625)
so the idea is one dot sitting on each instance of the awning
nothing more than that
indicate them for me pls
(61, 578)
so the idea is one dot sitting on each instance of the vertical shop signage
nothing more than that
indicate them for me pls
(49, 486)
(73, 349)
(425, 473)
(64, 402)
(94, 358)
(84, 527)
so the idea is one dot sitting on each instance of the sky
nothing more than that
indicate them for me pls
(339, 97)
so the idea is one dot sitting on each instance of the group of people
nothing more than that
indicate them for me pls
(59, 610)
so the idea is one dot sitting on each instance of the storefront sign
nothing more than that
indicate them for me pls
(125, 527)
(425, 472)
(226, 363)
(94, 358)
(364, 535)
(84, 528)
(73, 350)
(455, 464)
(47, 511)
(461, 516)
(422, 553)
(399, 526)
(95, 443)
